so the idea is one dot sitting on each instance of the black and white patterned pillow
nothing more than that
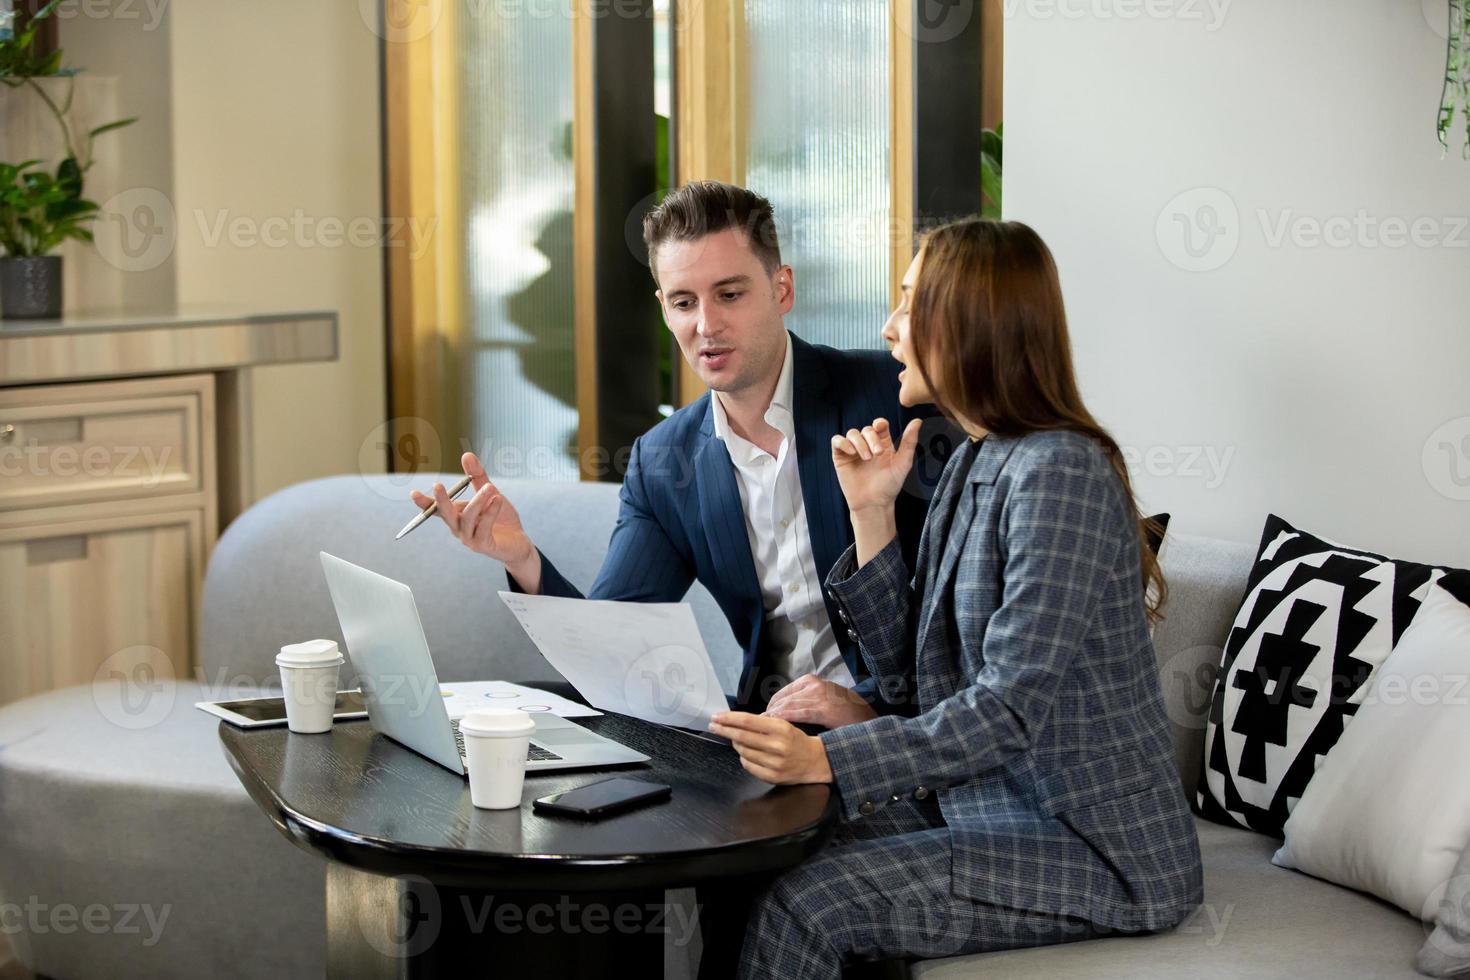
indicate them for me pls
(1317, 620)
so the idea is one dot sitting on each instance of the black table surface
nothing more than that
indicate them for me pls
(357, 797)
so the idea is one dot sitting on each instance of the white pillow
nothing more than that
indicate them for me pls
(1446, 953)
(1388, 809)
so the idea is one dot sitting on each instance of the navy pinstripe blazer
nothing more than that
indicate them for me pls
(681, 517)
(1041, 722)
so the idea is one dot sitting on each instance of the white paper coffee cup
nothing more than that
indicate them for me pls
(495, 745)
(309, 682)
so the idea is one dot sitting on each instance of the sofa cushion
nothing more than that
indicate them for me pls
(265, 586)
(1318, 622)
(1206, 578)
(1388, 811)
(1257, 920)
(101, 811)
(1446, 953)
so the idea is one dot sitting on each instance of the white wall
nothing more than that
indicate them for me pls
(276, 129)
(129, 44)
(1334, 380)
(256, 113)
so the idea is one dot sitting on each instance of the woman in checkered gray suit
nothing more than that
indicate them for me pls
(1032, 796)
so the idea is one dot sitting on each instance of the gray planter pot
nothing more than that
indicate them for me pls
(30, 287)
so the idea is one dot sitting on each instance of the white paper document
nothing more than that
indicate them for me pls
(462, 697)
(644, 659)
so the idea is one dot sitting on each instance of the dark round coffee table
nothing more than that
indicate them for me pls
(420, 882)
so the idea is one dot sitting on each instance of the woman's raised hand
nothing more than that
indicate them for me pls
(870, 469)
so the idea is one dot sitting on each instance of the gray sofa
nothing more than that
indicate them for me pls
(145, 823)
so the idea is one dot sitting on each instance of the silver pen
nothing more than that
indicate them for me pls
(432, 509)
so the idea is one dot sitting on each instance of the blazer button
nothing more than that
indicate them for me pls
(842, 614)
(922, 793)
(852, 635)
(867, 809)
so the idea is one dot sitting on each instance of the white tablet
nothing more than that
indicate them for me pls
(264, 712)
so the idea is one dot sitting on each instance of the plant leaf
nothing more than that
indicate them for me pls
(113, 125)
(990, 143)
(990, 186)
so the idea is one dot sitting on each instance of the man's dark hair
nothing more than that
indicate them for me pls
(706, 207)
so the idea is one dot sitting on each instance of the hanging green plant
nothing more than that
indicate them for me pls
(1456, 75)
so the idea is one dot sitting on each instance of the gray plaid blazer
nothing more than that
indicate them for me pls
(1041, 723)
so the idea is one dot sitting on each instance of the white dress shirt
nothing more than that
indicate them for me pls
(781, 543)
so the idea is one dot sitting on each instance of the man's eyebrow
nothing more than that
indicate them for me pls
(740, 280)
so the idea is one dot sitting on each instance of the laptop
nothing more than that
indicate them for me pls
(386, 644)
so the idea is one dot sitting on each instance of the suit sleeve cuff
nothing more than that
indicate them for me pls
(552, 581)
(863, 785)
(886, 574)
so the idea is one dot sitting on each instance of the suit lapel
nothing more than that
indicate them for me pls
(955, 511)
(934, 559)
(816, 421)
(723, 517)
(952, 547)
(926, 561)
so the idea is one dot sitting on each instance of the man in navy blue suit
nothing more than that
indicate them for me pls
(736, 489)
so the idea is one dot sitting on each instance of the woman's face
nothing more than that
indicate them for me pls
(912, 391)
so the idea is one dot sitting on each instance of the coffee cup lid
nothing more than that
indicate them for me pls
(497, 723)
(312, 653)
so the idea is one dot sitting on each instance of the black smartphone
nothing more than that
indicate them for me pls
(603, 798)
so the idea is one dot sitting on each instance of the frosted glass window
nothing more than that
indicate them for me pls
(663, 59)
(663, 108)
(517, 368)
(818, 147)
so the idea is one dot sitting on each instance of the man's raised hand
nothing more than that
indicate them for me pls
(488, 524)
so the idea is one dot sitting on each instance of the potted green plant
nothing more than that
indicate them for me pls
(39, 210)
(1456, 76)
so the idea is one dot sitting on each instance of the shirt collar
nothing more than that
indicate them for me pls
(778, 414)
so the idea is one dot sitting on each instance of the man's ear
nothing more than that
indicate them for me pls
(785, 288)
(663, 311)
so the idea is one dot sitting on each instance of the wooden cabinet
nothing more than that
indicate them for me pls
(107, 516)
(97, 442)
(125, 443)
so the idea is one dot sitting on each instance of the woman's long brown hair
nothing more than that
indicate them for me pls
(989, 332)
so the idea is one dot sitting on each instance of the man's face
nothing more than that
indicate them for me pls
(725, 309)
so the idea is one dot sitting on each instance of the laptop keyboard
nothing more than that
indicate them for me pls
(534, 752)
